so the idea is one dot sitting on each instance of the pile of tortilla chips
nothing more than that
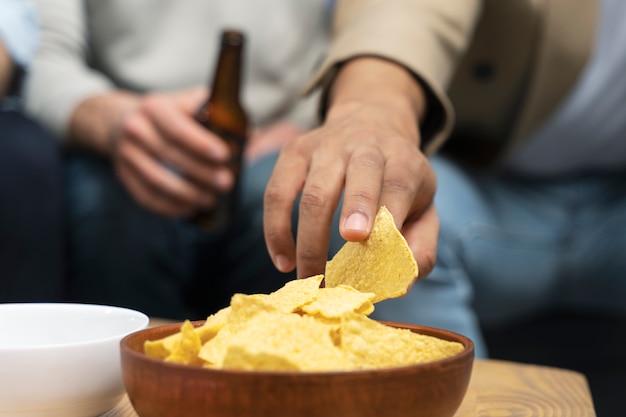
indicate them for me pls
(302, 327)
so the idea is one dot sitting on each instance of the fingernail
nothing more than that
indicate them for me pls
(356, 221)
(283, 263)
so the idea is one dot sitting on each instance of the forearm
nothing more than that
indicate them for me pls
(386, 86)
(6, 70)
(95, 120)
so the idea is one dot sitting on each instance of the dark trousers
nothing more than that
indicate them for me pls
(31, 227)
(122, 254)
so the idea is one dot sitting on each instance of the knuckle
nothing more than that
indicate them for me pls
(151, 101)
(273, 235)
(130, 125)
(313, 199)
(396, 184)
(308, 255)
(296, 145)
(123, 151)
(368, 157)
(273, 195)
(362, 195)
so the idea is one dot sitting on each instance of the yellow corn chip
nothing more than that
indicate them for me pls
(213, 325)
(284, 342)
(382, 264)
(371, 344)
(334, 302)
(162, 348)
(242, 309)
(294, 294)
(187, 349)
(245, 307)
(300, 327)
(212, 352)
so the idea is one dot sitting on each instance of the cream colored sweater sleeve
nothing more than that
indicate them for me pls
(59, 78)
(91, 47)
(428, 37)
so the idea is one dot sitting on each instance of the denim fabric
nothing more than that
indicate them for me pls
(31, 231)
(511, 248)
(122, 254)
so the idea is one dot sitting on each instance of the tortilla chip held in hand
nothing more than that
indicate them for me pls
(382, 264)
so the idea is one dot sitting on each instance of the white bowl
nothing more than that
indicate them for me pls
(59, 359)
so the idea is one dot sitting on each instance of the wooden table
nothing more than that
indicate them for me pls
(504, 389)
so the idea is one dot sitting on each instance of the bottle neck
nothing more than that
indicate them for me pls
(227, 78)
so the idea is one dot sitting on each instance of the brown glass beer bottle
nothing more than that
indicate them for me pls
(224, 115)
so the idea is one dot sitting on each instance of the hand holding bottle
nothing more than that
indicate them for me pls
(170, 164)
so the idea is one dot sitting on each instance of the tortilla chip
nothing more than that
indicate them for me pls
(213, 325)
(382, 264)
(242, 309)
(334, 302)
(284, 342)
(161, 348)
(371, 344)
(187, 349)
(294, 294)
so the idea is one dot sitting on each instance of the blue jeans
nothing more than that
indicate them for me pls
(31, 228)
(513, 247)
(122, 254)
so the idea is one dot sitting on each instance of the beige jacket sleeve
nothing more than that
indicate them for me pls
(6, 70)
(428, 37)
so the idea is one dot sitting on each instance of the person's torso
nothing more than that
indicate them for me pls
(147, 45)
(522, 61)
(587, 133)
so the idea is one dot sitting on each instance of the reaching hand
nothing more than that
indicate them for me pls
(369, 151)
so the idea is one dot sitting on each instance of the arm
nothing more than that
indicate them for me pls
(377, 115)
(18, 40)
(6, 70)
(148, 135)
(368, 148)
(427, 37)
(144, 134)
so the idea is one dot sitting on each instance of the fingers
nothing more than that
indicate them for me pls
(150, 198)
(373, 162)
(364, 180)
(153, 186)
(320, 197)
(411, 204)
(177, 126)
(422, 233)
(190, 99)
(143, 133)
(409, 186)
(170, 163)
(281, 191)
(405, 183)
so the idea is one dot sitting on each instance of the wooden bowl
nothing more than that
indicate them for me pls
(160, 389)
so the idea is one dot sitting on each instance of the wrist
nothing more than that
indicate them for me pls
(381, 88)
(96, 121)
